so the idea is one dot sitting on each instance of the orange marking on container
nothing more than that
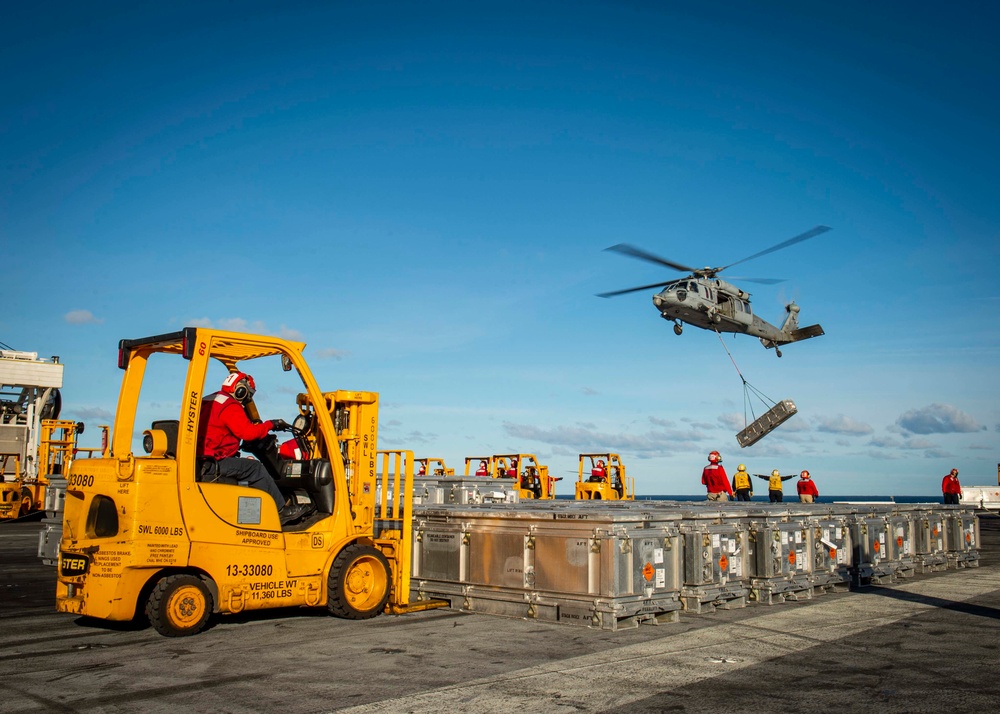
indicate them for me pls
(899, 541)
(878, 546)
(724, 562)
(833, 553)
(648, 572)
(791, 557)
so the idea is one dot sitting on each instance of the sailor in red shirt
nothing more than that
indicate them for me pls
(715, 479)
(951, 488)
(223, 424)
(808, 493)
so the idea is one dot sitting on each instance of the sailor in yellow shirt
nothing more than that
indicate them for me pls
(774, 488)
(742, 484)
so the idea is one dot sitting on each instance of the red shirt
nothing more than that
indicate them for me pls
(715, 479)
(950, 484)
(223, 424)
(807, 487)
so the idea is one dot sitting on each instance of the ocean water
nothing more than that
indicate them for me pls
(794, 498)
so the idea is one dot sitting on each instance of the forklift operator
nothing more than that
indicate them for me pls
(223, 424)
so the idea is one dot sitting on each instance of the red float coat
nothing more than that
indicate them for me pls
(715, 479)
(807, 487)
(950, 484)
(223, 424)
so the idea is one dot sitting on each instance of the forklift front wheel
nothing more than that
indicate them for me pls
(358, 587)
(179, 605)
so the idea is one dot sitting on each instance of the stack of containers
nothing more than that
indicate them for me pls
(930, 554)
(438, 490)
(617, 564)
(781, 562)
(52, 523)
(831, 549)
(961, 537)
(565, 562)
(716, 558)
(869, 544)
(901, 547)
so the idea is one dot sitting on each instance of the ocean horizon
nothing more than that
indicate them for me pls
(790, 498)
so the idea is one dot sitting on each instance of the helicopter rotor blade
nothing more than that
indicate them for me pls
(811, 233)
(759, 281)
(633, 252)
(633, 290)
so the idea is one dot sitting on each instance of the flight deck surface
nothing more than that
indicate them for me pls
(925, 644)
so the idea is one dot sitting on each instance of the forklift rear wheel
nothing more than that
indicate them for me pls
(358, 587)
(179, 605)
(26, 503)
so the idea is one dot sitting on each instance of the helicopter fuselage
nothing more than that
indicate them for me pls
(714, 304)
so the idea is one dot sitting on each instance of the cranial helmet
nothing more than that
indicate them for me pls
(240, 385)
(741, 467)
(776, 473)
(600, 462)
(715, 457)
(804, 474)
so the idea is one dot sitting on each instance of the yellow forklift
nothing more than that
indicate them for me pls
(143, 533)
(602, 478)
(532, 478)
(484, 466)
(433, 466)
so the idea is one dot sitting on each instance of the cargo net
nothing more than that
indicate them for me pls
(776, 412)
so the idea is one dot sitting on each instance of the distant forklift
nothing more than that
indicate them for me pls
(602, 478)
(532, 478)
(144, 533)
(29, 396)
(432, 466)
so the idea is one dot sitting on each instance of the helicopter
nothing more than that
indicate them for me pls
(705, 301)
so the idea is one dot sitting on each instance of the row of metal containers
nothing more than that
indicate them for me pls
(616, 564)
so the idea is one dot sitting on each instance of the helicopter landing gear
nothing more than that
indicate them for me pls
(777, 352)
(678, 328)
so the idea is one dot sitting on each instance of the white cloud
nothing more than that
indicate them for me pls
(650, 444)
(81, 317)
(842, 424)
(331, 353)
(287, 333)
(732, 420)
(92, 413)
(938, 419)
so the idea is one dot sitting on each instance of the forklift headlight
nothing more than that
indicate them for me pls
(154, 442)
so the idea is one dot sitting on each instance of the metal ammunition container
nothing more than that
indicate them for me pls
(831, 551)
(579, 564)
(962, 537)
(930, 554)
(780, 557)
(716, 561)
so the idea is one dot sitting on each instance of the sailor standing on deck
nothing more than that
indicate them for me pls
(951, 488)
(742, 484)
(808, 493)
(715, 479)
(775, 491)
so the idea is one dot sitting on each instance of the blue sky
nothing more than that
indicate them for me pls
(422, 193)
